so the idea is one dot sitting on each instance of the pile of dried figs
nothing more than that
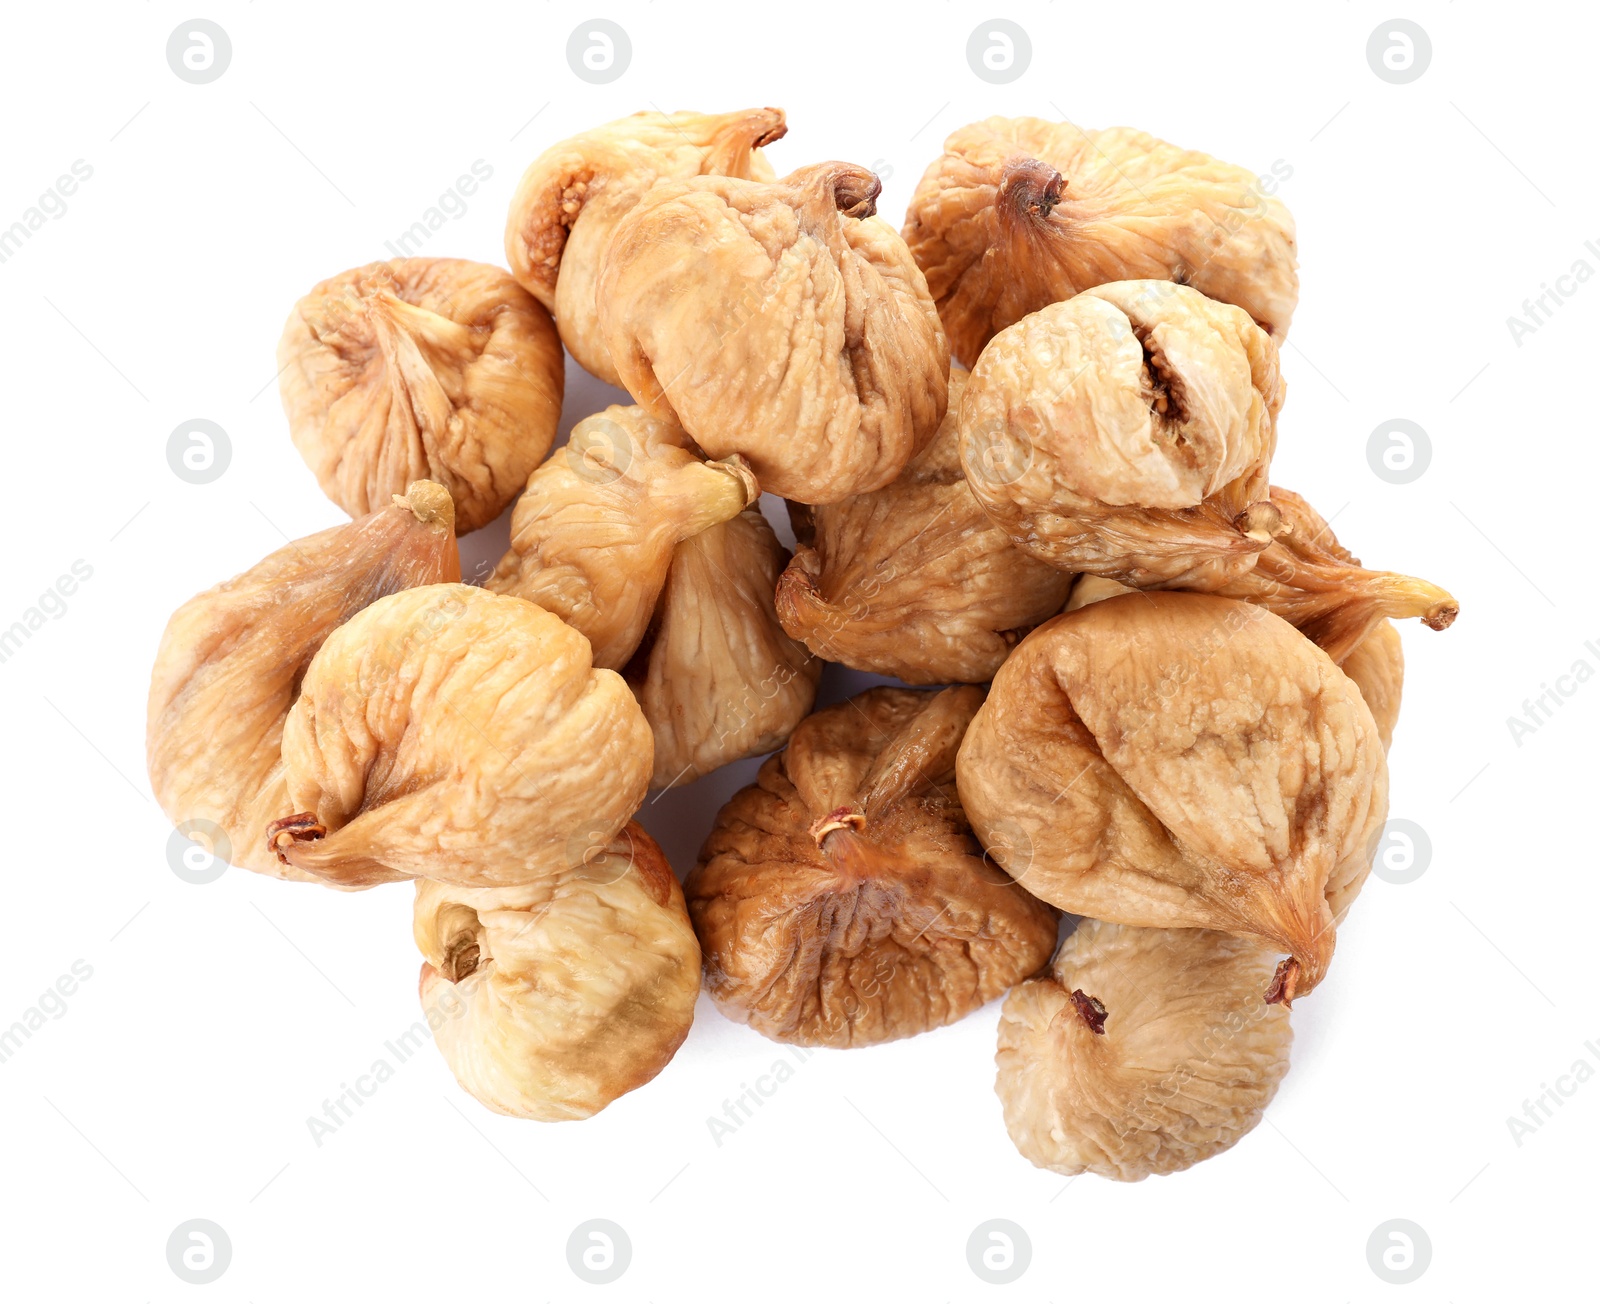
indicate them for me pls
(1139, 683)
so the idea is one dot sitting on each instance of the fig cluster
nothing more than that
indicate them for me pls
(1133, 772)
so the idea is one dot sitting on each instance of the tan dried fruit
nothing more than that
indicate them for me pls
(841, 900)
(1144, 1051)
(570, 201)
(781, 320)
(1377, 665)
(1128, 433)
(421, 368)
(450, 733)
(550, 1000)
(914, 580)
(1019, 213)
(231, 661)
(592, 538)
(1305, 576)
(718, 678)
(1181, 760)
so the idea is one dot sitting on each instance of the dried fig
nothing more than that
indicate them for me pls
(1305, 576)
(570, 200)
(551, 999)
(1377, 665)
(841, 901)
(1019, 213)
(914, 580)
(718, 678)
(1181, 760)
(450, 733)
(421, 368)
(1128, 433)
(781, 320)
(592, 537)
(231, 660)
(1144, 1050)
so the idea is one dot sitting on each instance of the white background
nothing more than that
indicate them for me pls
(178, 1081)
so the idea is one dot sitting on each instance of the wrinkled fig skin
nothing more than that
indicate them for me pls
(1184, 1063)
(721, 680)
(781, 320)
(550, 1000)
(570, 200)
(1305, 576)
(841, 900)
(421, 368)
(231, 659)
(592, 537)
(1181, 760)
(1377, 665)
(914, 580)
(1019, 213)
(451, 733)
(1128, 433)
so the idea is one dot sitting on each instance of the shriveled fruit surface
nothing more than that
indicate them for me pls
(454, 734)
(841, 900)
(593, 536)
(780, 320)
(550, 1000)
(1143, 1051)
(1128, 433)
(1181, 760)
(570, 199)
(1377, 665)
(1018, 213)
(718, 678)
(421, 368)
(231, 659)
(915, 580)
(1308, 578)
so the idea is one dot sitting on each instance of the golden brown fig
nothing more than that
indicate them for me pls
(719, 679)
(1305, 576)
(1019, 213)
(841, 900)
(914, 580)
(231, 660)
(1377, 665)
(450, 733)
(419, 368)
(1144, 1050)
(550, 1000)
(593, 536)
(570, 200)
(781, 320)
(1181, 760)
(1128, 433)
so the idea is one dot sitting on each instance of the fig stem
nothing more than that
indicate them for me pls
(840, 817)
(304, 827)
(1090, 1010)
(1284, 980)
(1029, 186)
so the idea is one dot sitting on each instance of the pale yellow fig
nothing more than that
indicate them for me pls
(231, 660)
(915, 580)
(718, 678)
(1143, 1051)
(1020, 213)
(593, 535)
(451, 733)
(570, 200)
(1377, 665)
(841, 900)
(421, 368)
(1175, 760)
(551, 999)
(1128, 433)
(780, 320)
